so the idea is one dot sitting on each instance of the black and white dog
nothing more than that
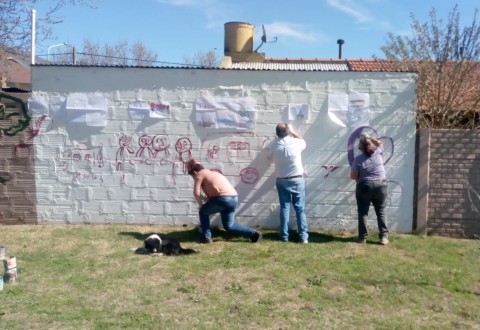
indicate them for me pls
(167, 246)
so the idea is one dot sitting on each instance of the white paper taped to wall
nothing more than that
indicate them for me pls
(160, 110)
(338, 108)
(225, 112)
(138, 110)
(38, 103)
(298, 111)
(349, 110)
(90, 109)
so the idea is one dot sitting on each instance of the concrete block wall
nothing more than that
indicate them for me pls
(454, 183)
(86, 175)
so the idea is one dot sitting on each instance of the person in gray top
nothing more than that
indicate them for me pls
(368, 170)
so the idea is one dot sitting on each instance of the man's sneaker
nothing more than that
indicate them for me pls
(303, 241)
(256, 237)
(384, 241)
(362, 240)
(205, 240)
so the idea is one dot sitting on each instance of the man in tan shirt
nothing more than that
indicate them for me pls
(221, 197)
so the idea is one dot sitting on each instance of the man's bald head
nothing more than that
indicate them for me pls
(282, 130)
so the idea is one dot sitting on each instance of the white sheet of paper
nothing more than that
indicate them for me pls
(349, 110)
(298, 111)
(38, 103)
(338, 108)
(138, 110)
(230, 112)
(160, 110)
(79, 106)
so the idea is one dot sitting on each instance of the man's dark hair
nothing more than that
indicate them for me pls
(282, 130)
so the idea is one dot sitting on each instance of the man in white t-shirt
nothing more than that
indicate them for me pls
(286, 151)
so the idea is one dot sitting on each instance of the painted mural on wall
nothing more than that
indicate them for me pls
(13, 120)
(131, 159)
(18, 129)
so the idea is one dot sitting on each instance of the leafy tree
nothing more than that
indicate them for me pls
(208, 59)
(446, 57)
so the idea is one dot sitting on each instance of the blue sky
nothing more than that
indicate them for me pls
(303, 28)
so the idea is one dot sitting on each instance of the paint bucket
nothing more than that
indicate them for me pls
(10, 263)
(1, 283)
(10, 276)
(2, 252)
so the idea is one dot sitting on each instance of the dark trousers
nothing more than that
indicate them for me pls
(374, 192)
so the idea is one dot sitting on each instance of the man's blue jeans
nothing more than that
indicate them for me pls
(374, 192)
(292, 191)
(226, 206)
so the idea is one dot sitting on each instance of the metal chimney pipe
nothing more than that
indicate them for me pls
(340, 42)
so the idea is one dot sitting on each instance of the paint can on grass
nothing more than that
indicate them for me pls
(10, 263)
(1, 283)
(2, 252)
(10, 276)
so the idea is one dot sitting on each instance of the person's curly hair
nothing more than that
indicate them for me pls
(366, 146)
(193, 166)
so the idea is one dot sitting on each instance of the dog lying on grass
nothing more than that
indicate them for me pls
(167, 246)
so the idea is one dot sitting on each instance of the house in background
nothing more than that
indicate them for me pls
(15, 72)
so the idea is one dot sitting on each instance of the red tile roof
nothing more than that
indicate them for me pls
(368, 65)
(377, 65)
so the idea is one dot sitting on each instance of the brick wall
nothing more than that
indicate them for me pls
(454, 183)
(17, 170)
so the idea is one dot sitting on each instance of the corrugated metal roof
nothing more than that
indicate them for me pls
(126, 66)
(282, 64)
(319, 66)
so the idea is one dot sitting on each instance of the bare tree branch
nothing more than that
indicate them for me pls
(208, 59)
(446, 57)
(15, 26)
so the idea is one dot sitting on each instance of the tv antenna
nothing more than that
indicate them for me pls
(264, 39)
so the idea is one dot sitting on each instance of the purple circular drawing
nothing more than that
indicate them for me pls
(249, 175)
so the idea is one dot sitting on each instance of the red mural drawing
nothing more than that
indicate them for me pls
(184, 150)
(94, 155)
(82, 157)
(161, 144)
(19, 147)
(124, 146)
(212, 153)
(249, 175)
(144, 142)
(236, 148)
(239, 146)
(330, 169)
(38, 124)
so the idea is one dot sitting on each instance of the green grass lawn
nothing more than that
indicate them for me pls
(88, 277)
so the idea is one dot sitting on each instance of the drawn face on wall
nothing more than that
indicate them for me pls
(160, 142)
(183, 145)
(125, 141)
(144, 141)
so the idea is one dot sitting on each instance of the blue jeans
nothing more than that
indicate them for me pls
(292, 191)
(374, 192)
(226, 205)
